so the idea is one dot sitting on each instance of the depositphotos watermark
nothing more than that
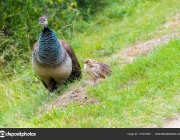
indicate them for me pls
(15, 134)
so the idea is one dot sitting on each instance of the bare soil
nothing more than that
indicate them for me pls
(172, 123)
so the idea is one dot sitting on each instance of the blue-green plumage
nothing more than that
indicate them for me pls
(49, 49)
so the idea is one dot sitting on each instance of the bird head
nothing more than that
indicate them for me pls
(43, 21)
(87, 61)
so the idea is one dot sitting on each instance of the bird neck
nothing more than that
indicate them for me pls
(49, 49)
(46, 25)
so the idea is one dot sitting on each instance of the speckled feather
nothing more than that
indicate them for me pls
(96, 69)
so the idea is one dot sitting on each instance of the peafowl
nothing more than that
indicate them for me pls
(54, 60)
(96, 69)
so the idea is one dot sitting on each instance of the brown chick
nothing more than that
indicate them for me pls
(96, 69)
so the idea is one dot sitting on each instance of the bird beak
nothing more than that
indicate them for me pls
(39, 23)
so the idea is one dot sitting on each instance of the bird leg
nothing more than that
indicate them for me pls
(95, 80)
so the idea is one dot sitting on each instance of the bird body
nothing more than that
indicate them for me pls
(96, 69)
(54, 60)
(46, 72)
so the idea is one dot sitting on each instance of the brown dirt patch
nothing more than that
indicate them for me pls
(172, 123)
(75, 95)
(129, 54)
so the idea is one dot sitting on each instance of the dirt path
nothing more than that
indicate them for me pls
(77, 93)
(172, 123)
(129, 54)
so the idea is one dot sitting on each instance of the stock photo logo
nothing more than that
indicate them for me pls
(20, 134)
(2, 134)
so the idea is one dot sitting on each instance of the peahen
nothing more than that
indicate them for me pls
(54, 60)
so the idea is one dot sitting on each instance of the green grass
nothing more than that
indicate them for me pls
(136, 95)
